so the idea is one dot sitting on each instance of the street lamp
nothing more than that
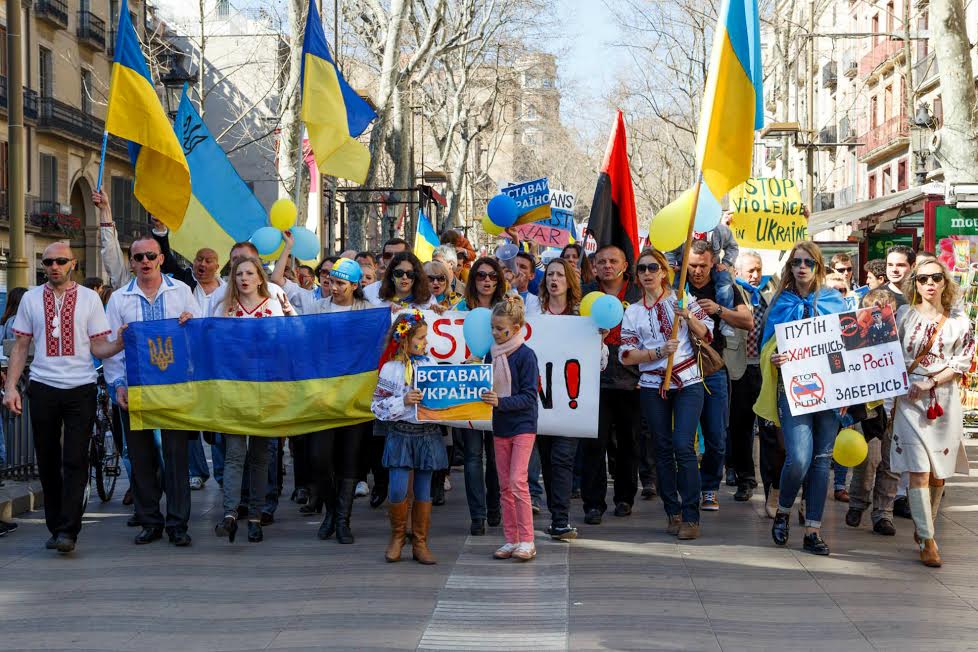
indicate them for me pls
(922, 125)
(173, 83)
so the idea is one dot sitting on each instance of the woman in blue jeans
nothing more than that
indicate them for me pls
(647, 340)
(808, 438)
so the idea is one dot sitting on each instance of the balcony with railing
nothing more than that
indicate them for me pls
(884, 51)
(65, 119)
(91, 30)
(50, 218)
(891, 134)
(30, 100)
(53, 11)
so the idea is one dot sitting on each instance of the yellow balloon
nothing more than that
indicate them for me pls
(588, 301)
(275, 254)
(670, 225)
(490, 227)
(850, 448)
(282, 215)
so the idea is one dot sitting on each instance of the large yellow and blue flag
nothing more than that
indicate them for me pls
(732, 102)
(335, 115)
(135, 114)
(425, 239)
(269, 377)
(223, 209)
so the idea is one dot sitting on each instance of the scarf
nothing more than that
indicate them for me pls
(409, 365)
(502, 380)
(791, 307)
(754, 292)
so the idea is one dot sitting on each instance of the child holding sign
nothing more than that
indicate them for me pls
(514, 424)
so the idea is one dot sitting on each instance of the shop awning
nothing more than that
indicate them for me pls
(825, 220)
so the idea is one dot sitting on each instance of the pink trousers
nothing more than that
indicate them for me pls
(512, 460)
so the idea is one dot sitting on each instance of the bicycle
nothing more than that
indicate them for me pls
(103, 453)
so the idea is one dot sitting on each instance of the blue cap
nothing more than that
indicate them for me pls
(346, 270)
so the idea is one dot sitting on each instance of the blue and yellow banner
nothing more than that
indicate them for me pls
(532, 200)
(425, 239)
(269, 377)
(135, 114)
(453, 392)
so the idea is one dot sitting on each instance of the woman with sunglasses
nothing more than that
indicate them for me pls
(647, 340)
(808, 438)
(928, 431)
(405, 284)
(484, 288)
(440, 281)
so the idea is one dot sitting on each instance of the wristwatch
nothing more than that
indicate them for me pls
(719, 310)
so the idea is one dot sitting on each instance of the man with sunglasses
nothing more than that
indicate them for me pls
(151, 296)
(842, 264)
(69, 324)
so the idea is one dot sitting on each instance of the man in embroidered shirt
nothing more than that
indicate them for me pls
(69, 324)
(147, 297)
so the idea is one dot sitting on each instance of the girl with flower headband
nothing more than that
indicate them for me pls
(410, 445)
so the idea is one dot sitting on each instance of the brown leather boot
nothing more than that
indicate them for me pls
(398, 516)
(929, 556)
(421, 521)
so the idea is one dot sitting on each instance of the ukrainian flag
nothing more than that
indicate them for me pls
(425, 239)
(135, 114)
(732, 101)
(333, 112)
(222, 210)
(270, 377)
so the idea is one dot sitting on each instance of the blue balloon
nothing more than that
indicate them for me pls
(502, 211)
(306, 245)
(607, 311)
(708, 210)
(477, 329)
(266, 240)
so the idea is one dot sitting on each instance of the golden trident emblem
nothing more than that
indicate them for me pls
(160, 354)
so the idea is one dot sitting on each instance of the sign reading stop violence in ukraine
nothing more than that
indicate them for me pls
(453, 392)
(568, 351)
(840, 360)
(532, 200)
(768, 214)
(558, 229)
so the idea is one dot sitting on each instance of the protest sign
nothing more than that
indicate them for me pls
(768, 214)
(453, 392)
(840, 360)
(568, 351)
(556, 231)
(532, 200)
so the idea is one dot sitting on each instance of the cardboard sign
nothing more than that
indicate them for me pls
(768, 214)
(568, 351)
(839, 360)
(556, 231)
(453, 392)
(532, 200)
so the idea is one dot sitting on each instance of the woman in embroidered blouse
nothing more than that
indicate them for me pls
(928, 431)
(405, 284)
(647, 341)
(247, 296)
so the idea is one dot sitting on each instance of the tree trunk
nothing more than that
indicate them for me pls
(290, 134)
(959, 134)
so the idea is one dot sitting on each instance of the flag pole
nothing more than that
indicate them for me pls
(101, 161)
(666, 382)
(298, 167)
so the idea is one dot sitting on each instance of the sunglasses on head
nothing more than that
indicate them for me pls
(843, 270)
(48, 262)
(437, 279)
(485, 275)
(807, 262)
(398, 273)
(652, 268)
(936, 277)
(152, 255)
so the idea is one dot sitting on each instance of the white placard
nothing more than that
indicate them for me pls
(840, 360)
(568, 351)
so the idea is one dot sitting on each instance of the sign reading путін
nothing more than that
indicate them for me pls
(768, 214)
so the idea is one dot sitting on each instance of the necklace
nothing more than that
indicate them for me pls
(56, 319)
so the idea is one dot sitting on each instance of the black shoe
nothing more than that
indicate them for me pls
(267, 518)
(779, 531)
(301, 495)
(885, 527)
(52, 543)
(576, 494)
(376, 500)
(623, 509)
(743, 494)
(731, 478)
(179, 538)
(854, 517)
(148, 535)
(255, 535)
(815, 545)
(6, 528)
(242, 512)
(593, 517)
(648, 492)
(133, 521)
(344, 506)
(493, 519)
(901, 507)
(562, 532)
(477, 528)
(64, 543)
(227, 528)
(328, 527)
(314, 505)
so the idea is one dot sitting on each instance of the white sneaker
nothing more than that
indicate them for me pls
(448, 484)
(196, 483)
(525, 551)
(362, 489)
(506, 551)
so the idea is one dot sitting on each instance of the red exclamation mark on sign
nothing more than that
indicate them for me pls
(572, 376)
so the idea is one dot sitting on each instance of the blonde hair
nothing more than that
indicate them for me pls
(949, 296)
(788, 278)
(512, 308)
(232, 297)
(438, 267)
(663, 263)
(880, 297)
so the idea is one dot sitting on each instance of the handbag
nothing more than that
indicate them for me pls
(916, 362)
(709, 361)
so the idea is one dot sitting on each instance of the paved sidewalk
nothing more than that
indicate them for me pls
(623, 585)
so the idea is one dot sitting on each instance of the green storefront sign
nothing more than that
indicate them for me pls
(879, 242)
(948, 220)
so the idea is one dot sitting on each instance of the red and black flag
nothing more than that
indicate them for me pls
(613, 220)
